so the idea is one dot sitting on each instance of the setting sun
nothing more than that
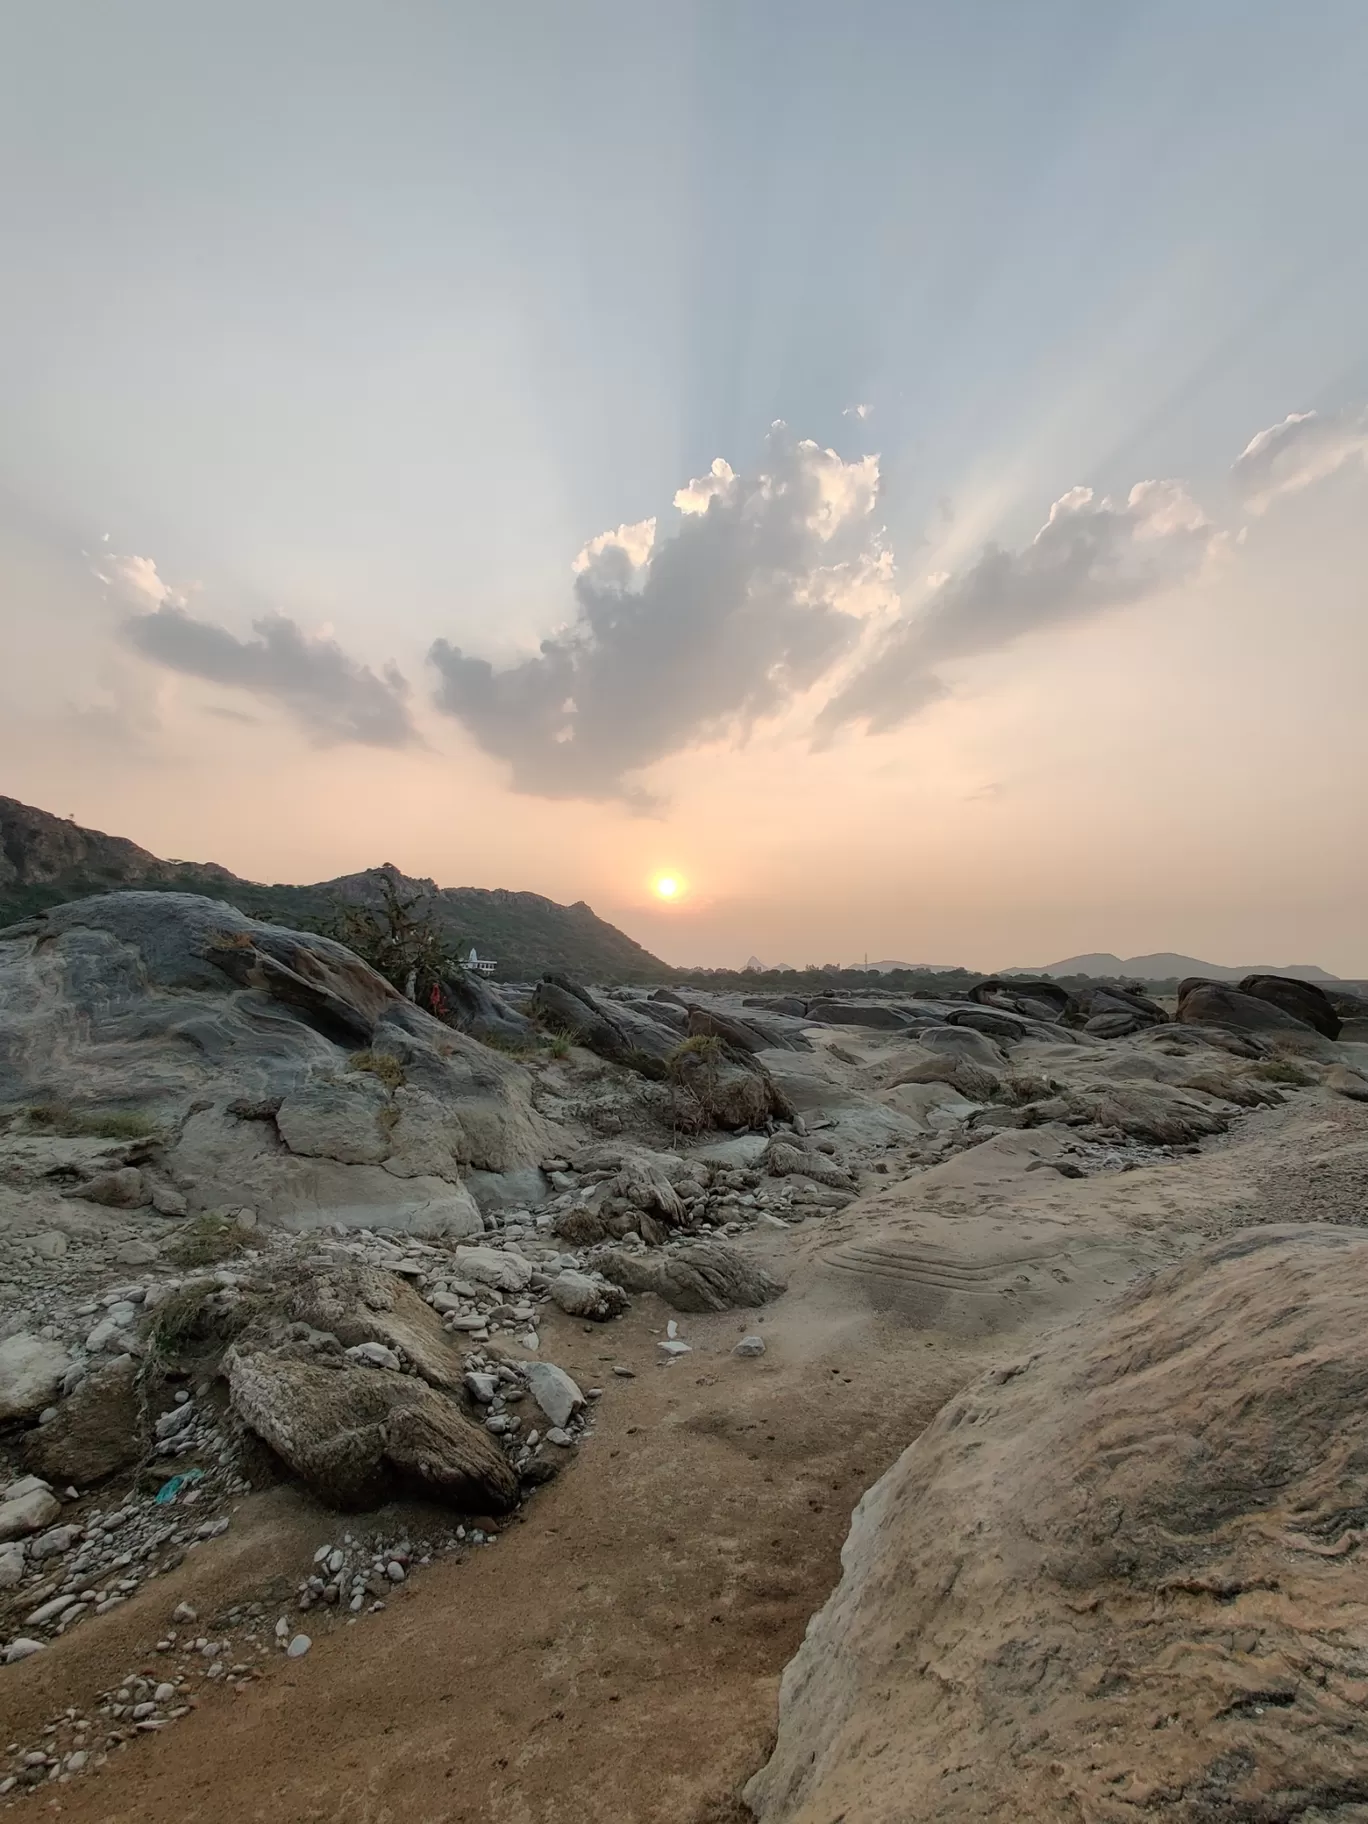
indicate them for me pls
(667, 886)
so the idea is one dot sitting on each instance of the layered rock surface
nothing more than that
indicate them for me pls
(268, 1068)
(1118, 1576)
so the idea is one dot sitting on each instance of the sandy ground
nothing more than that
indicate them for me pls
(615, 1658)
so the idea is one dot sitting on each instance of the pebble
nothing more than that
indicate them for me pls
(676, 1348)
(298, 1647)
(750, 1346)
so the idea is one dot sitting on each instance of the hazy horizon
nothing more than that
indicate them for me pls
(900, 473)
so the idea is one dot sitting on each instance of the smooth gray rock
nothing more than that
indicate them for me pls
(557, 1395)
(31, 1370)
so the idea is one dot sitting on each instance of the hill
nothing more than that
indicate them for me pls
(1169, 965)
(45, 860)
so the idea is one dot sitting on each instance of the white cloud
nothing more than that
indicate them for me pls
(1305, 448)
(136, 580)
(767, 580)
(634, 542)
(1089, 556)
(857, 411)
(330, 695)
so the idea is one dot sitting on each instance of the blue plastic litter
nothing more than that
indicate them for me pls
(169, 1490)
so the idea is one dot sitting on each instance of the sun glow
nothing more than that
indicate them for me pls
(667, 886)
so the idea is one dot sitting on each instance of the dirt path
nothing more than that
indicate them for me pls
(615, 1658)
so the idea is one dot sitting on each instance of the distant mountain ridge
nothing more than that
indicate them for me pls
(45, 860)
(1164, 965)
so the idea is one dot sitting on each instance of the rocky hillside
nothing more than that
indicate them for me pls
(46, 860)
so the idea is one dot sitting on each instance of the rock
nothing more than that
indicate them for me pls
(492, 1267)
(555, 1393)
(877, 1015)
(700, 1276)
(749, 1346)
(783, 1159)
(125, 1189)
(365, 1305)
(171, 1424)
(298, 1646)
(1347, 1082)
(137, 1253)
(1203, 1003)
(21, 1648)
(963, 1042)
(714, 1087)
(1160, 1113)
(555, 1435)
(1303, 1000)
(54, 1543)
(481, 1387)
(237, 1034)
(1032, 999)
(581, 1296)
(674, 1347)
(1162, 1498)
(373, 1355)
(973, 1081)
(1112, 1012)
(358, 1436)
(31, 1370)
(27, 1513)
(347, 1120)
(11, 1565)
(620, 1034)
(51, 1245)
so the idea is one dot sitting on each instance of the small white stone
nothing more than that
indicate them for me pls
(298, 1647)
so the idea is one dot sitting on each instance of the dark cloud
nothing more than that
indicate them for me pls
(331, 696)
(749, 602)
(1089, 556)
(1306, 447)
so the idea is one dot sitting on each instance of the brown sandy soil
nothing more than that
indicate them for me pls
(615, 1658)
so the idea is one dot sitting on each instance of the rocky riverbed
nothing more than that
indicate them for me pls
(309, 1300)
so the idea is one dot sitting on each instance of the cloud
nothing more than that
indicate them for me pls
(764, 583)
(1305, 448)
(331, 696)
(137, 581)
(1090, 555)
(857, 411)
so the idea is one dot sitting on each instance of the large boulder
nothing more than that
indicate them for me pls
(1205, 1003)
(1117, 1577)
(97, 1431)
(31, 1369)
(713, 1086)
(358, 1436)
(698, 1276)
(1159, 1114)
(877, 1015)
(1303, 1000)
(359, 1304)
(1112, 1013)
(627, 1035)
(263, 1066)
(1033, 1000)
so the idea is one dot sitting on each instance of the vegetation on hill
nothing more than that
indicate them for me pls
(46, 861)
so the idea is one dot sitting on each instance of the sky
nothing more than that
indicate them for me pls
(898, 470)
